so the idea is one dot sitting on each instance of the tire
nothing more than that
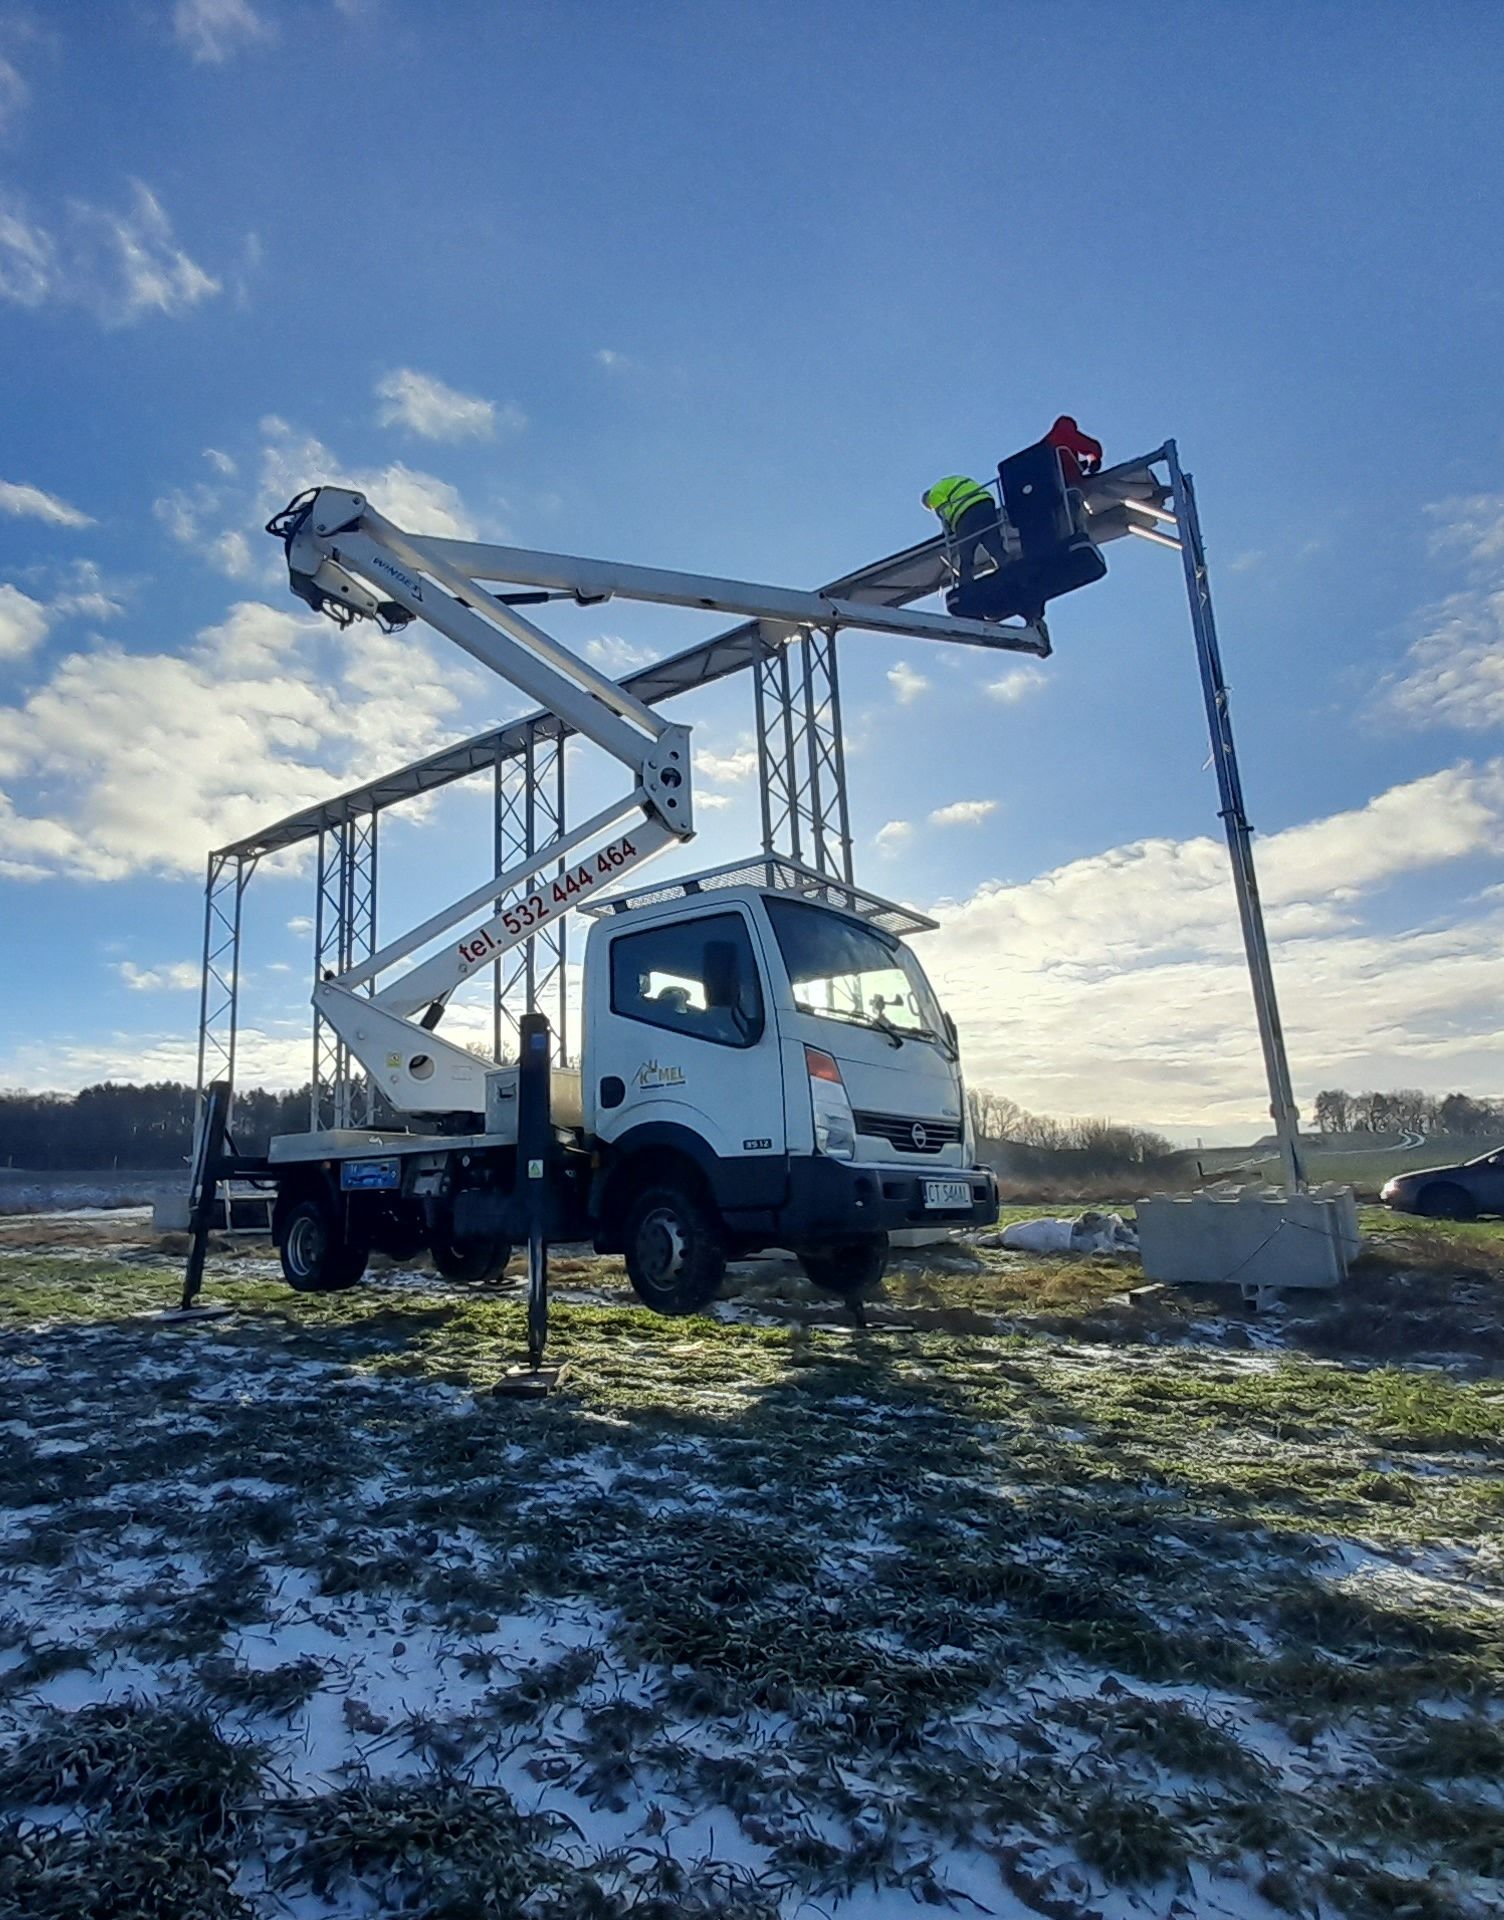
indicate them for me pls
(317, 1254)
(675, 1249)
(1444, 1201)
(850, 1270)
(472, 1261)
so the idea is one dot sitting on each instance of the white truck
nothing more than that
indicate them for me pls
(763, 1061)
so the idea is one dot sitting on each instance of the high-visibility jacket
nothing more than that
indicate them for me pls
(955, 495)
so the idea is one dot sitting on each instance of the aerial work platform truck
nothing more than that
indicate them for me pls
(763, 1061)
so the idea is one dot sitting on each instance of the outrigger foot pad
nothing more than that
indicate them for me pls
(528, 1383)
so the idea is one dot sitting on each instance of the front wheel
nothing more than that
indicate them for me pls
(473, 1261)
(318, 1255)
(675, 1250)
(850, 1270)
(1444, 1201)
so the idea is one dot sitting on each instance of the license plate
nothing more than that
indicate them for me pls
(947, 1193)
(358, 1176)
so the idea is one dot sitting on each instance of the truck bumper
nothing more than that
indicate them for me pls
(839, 1200)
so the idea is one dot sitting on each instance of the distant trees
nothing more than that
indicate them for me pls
(123, 1126)
(1406, 1110)
(1090, 1145)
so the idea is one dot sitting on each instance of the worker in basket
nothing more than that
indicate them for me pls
(1080, 455)
(1040, 542)
(969, 514)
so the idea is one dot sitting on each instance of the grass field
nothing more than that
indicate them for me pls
(1354, 1159)
(1026, 1598)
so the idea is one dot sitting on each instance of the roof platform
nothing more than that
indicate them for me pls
(774, 873)
(1121, 500)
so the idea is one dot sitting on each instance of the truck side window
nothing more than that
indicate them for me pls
(696, 977)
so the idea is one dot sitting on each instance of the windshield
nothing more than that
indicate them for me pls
(843, 970)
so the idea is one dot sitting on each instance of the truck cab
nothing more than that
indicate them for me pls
(769, 1066)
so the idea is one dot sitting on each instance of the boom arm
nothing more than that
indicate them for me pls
(348, 560)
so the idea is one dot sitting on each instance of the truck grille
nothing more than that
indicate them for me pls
(909, 1135)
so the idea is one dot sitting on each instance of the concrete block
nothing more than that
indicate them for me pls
(1253, 1238)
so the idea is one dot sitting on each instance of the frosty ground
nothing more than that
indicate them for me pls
(1029, 1597)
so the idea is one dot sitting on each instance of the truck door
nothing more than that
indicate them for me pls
(681, 1032)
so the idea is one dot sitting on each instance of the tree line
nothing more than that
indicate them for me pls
(1008, 1134)
(1406, 1110)
(113, 1125)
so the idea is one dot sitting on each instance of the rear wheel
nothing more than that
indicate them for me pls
(473, 1261)
(675, 1249)
(1443, 1200)
(318, 1254)
(850, 1270)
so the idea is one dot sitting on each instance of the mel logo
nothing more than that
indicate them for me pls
(650, 1074)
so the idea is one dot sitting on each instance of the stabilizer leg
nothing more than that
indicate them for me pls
(536, 1154)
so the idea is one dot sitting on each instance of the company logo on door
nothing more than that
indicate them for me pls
(650, 1074)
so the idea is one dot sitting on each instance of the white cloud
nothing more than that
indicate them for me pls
(131, 265)
(87, 595)
(300, 923)
(23, 623)
(175, 976)
(142, 762)
(1453, 672)
(14, 94)
(180, 513)
(615, 655)
(292, 460)
(739, 764)
(907, 685)
(212, 31)
(121, 265)
(712, 802)
(221, 462)
(963, 813)
(31, 503)
(184, 513)
(1017, 684)
(1471, 524)
(1117, 983)
(28, 258)
(892, 835)
(427, 407)
(230, 552)
(610, 359)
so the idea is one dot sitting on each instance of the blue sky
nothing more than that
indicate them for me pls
(724, 288)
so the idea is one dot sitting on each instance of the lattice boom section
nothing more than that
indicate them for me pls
(801, 754)
(529, 812)
(344, 934)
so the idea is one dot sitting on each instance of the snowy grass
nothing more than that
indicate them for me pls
(1022, 1598)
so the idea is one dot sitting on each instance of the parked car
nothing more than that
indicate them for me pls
(1450, 1193)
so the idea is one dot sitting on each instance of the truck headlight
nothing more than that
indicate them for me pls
(835, 1130)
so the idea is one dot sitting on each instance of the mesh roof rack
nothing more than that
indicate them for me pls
(777, 873)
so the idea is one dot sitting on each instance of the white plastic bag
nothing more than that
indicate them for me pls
(1039, 1236)
(1092, 1233)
